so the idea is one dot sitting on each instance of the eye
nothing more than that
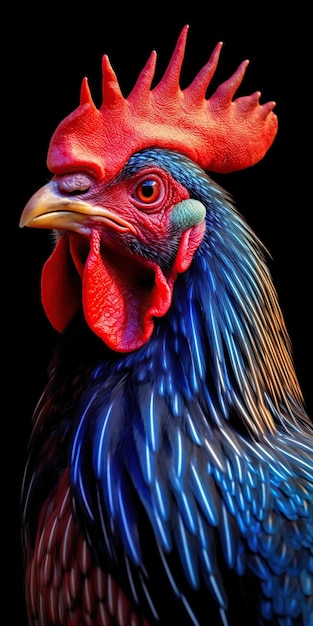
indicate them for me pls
(148, 190)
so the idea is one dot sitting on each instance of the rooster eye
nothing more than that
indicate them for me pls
(148, 191)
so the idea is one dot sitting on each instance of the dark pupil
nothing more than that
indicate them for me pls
(148, 188)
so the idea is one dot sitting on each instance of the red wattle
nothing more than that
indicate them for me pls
(117, 306)
(60, 286)
(120, 293)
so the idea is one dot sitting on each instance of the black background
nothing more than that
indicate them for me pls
(49, 49)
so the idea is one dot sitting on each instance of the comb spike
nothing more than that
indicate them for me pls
(141, 89)
(267, 108)
(170, 82)
(85, 95)
(111, 91)
(196, 91)
(225, 92)
(249, 102)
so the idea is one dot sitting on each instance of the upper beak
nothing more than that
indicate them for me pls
(48, 208)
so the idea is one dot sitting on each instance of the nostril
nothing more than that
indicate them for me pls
(77, 192)
(74, 184)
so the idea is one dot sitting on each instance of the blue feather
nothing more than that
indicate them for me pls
(160, 500)
(193, 432)
(186, 505)
(229, 538)
(126, 525)
(149, 599)
(187, 553)
(162, 531)
(197, 443)
(100, 451)
(206, 494)
(179, 460)
(148, 464)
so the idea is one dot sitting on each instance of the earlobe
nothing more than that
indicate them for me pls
(189, 243)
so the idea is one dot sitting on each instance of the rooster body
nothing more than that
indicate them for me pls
(170, 467)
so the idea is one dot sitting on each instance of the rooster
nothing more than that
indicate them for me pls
(169, 476)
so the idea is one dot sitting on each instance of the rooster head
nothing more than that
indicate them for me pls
(124, 233)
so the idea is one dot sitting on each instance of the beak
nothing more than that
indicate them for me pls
(48, 208)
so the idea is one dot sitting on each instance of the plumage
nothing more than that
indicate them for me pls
(170, 467)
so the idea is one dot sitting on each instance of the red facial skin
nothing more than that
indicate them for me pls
(95, 264)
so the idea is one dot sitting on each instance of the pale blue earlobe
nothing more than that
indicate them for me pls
(188, 213)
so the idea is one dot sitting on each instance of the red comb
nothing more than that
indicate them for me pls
(220, 134)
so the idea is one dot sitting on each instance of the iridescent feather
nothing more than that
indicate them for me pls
(191, 462)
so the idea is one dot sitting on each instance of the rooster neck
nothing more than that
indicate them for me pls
(227, 311)
(137, 429)
(222, 346)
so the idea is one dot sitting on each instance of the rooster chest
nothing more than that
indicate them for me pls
(64, 586)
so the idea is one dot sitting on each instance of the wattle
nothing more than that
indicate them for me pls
(120, 293)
